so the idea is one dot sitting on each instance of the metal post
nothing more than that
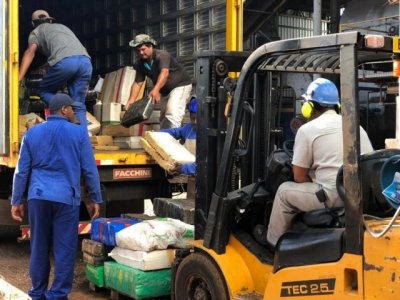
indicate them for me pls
(351, 147)
(398, 105)
(335, 16)
(317, 18)
(317, 29)
(234, 25)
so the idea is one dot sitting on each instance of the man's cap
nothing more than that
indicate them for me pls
(141, 39)
(41, 14)
(60, 100)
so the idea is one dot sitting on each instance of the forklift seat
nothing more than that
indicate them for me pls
(323, 217)
(313, 246)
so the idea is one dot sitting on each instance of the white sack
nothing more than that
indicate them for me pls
(155, 234)
(146, 261)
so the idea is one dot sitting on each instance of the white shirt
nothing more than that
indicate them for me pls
(319, 147)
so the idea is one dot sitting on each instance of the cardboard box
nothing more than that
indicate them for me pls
(392, 144)
(111, 113)
(121, 131)
(124, 84)
(107, 88)
(128, 142)
(102, 140)
(92, 124)
(116, 86)
(27, 121)
(117, 130)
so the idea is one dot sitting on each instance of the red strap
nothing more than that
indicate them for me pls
(101, 229)
(141, 129)
(124, 222)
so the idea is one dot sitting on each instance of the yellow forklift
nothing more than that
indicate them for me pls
(353, 253)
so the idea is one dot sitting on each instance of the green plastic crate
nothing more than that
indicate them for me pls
(136, 283)
(95, 274)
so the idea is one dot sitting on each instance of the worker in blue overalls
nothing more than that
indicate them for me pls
(54, 156)
(187, 134)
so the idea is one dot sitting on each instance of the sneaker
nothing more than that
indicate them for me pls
(260, 235)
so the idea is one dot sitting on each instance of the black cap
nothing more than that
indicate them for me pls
(60, 100)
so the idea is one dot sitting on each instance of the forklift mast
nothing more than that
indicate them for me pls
(212, 68)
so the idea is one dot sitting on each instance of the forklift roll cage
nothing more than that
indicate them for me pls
(341, 54)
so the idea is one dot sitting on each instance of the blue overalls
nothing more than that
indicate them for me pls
(53, 156)
(76, 72)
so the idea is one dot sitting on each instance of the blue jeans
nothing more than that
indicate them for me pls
(74, 72)
(54, 226)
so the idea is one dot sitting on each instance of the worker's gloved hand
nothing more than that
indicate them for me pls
(176, 170)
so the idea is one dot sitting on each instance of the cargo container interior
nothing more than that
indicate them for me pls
(105, 27)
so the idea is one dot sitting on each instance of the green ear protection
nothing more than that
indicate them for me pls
(307, 109)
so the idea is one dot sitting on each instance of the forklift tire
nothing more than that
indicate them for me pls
(198, 278)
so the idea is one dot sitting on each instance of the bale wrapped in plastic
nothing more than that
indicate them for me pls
(166, 150)
(104, 229)
(95, 274)
(136, 283)
(181, 209)
(94, 248)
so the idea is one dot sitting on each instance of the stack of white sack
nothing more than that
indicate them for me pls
(142, 260)
(147, 245)
(166, 150)
(157, 234)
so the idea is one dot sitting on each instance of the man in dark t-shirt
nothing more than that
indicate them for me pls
(171, 83)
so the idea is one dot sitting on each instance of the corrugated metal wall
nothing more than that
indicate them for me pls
(180, 26)
(290, 27)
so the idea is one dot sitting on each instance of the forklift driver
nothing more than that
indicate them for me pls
(317, 157)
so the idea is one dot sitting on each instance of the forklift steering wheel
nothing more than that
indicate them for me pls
(288, 147)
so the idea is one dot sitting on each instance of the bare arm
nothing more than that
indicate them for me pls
(161, 80)
(301, 174)
(27, 59)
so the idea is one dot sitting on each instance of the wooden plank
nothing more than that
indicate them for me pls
(106, 148)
